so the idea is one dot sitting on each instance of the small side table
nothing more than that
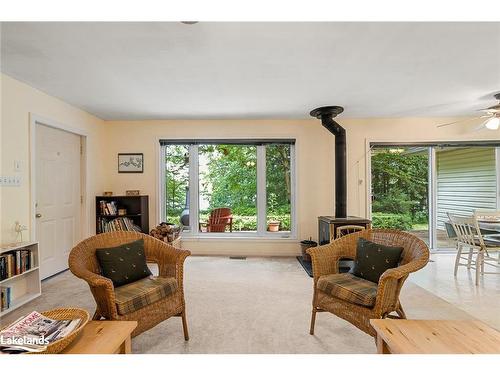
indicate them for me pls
(103, 337)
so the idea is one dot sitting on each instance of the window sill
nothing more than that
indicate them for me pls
(232, 237)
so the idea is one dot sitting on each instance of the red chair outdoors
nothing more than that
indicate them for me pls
(219, 219)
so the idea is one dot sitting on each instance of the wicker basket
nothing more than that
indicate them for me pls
(61, 314)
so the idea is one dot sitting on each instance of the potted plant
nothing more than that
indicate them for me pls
(273, 226)
(272, 205)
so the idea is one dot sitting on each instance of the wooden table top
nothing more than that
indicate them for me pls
(437, 336)
(101, 337)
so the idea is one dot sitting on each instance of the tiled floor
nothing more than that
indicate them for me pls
(482, 302)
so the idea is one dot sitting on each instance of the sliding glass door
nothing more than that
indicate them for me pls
(415, 188)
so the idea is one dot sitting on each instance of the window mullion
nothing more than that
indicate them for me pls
(293, 194)
(261, 190)
(194, 200)
(163, 183)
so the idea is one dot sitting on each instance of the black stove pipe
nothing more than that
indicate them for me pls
(326, 115)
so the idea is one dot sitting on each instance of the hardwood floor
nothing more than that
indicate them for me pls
(480, 301)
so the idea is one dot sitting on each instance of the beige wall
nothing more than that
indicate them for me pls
(314, 151)
(18, 101)
(314, 161)
(1, 147)
(315, 165)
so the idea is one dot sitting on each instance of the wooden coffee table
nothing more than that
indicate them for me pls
(400, 336)
(103, 337)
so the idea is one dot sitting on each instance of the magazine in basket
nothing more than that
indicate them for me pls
(32, 333)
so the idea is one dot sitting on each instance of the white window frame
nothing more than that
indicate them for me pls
(261, 232)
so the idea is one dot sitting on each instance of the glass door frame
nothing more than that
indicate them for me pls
(432, 177)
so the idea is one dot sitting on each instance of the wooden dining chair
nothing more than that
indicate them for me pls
(471, 242)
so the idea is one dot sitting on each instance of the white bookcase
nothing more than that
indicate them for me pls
(27, 285)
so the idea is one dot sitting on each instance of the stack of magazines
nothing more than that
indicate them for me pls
(32, 333)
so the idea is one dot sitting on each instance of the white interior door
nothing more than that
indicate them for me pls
(58, 202)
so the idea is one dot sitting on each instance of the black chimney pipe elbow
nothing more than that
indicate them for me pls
(326, 114)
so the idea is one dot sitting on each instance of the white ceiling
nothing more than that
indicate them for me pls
(258, 70)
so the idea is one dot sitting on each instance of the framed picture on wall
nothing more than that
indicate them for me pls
(130, 163)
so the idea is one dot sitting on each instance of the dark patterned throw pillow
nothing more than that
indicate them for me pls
(125, 263)
(373, 259)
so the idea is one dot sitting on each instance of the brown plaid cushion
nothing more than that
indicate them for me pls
(133, 296)
(350, 288)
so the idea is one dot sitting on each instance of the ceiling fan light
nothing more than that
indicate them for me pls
(492, 123)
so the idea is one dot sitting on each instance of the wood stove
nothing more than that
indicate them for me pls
(327, 225)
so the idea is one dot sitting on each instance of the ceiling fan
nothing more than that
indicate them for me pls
(491, 117)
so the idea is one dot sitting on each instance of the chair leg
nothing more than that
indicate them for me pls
(479, 265)
(184, 325)
(97, 315)
(401, 313)
(469, 262)
(457, 260)
(313, 321)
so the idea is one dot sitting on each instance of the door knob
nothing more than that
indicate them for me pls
(38, 216)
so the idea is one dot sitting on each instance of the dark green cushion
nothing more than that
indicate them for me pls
(373, 259)
(125, 263)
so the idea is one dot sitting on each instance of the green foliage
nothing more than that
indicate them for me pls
(399, 181)
(278, 183)
(421, 217)
(249, 223)
(400, 189)
(392, 221)
(177, 180)
(228, 178)
(395, 202)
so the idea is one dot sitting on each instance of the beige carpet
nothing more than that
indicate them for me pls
(258, 305)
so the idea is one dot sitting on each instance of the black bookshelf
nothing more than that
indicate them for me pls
(137, 207)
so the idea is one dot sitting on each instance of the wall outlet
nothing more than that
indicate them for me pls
(10, 181)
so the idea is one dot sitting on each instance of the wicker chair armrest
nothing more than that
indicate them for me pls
(98, 281)
(170, 260)
(103, 291)
(93, 279)
(391, 282)
(325, 259)
(403, 270)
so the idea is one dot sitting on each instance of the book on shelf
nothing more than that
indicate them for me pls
(118, 224)
(33, 332)
(108, 208)
(5, 297)
(15, 262)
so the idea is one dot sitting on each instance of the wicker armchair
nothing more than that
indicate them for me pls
(83, 264)
(325, 261)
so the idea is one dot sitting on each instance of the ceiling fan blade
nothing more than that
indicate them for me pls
(465, 120)
(492, 109)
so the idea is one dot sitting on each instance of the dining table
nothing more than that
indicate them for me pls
(490, 229)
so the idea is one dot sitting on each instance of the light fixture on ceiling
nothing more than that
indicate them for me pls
(492, 123)
(189, 22)
(490, 114)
